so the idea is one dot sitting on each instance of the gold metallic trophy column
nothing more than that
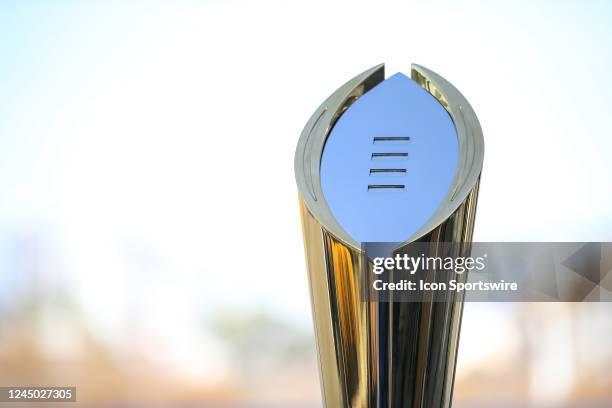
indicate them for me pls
(384, 354)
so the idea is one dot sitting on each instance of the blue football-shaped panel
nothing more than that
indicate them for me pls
(389, 162)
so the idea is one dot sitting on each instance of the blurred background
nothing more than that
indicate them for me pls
(150, 244)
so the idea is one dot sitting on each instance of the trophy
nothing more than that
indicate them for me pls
(386, 160)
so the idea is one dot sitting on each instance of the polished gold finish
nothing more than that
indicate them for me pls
(384, 354)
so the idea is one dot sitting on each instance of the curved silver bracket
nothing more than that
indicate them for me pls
(313, 137)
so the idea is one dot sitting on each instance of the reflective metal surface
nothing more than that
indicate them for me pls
(387, 354)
